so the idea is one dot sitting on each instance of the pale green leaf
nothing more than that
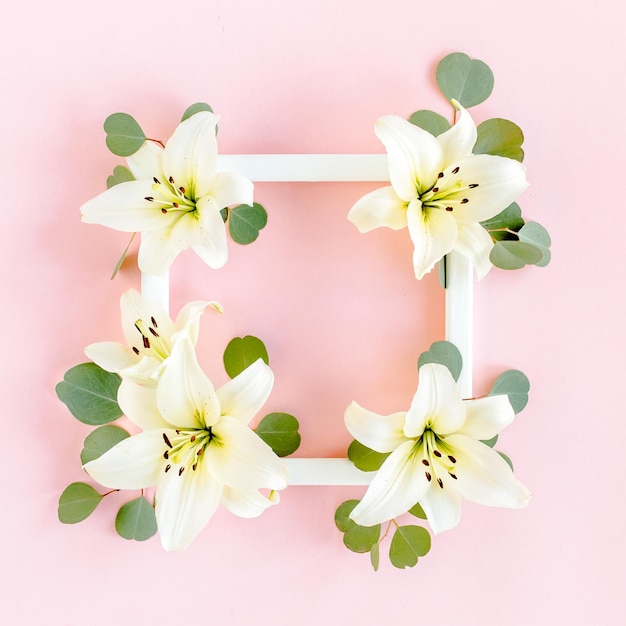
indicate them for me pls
(90, 394)
(196, 108)
(430, 121)
(536, 235)
(342, 515)
(280, 433)
(375, 556)
(242, 352)
(500, 137)
(516, 385)
(245, 221)
(513, 255)
(100, 441)
(506, 458)
(491, 442)
(124, 135)
(407, 545)
(121, 174)
(78, 502)
(417, 511)
(510, 218)
(445, 353)
(136, 520)
(361, 538)
(364, 458)
(469, 81)
(118, 265)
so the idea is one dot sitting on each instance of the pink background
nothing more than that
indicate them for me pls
(340, 312)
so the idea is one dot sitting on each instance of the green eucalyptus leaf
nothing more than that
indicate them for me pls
(361, 538)
(124, 135)
(516, 385)
(417, 511)
(536, 235)
(121, 174)
(242, 352)
(280, 433)
(118, 265)
(90, 394)
(136, 520)
(469, 81)
(491, 442)
(78, 502)
(430, 121)
(500, 137)
(513, 255)
(100, 441)
(506, 458)
(342, 515)
(445, 353)
(510, 218)
(408, 543)
(245, 221)
(195, 108)
(375, 556)
(364, 458)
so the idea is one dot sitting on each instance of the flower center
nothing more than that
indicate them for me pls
(172, 197)
(437, 457)
(152, 343)
(448, 190)
(185, 449)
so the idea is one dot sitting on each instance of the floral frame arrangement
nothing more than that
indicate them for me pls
(453, 186)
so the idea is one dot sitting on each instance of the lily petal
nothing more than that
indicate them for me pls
(396, 487)
(486, 417)
(138, 403)
(433, 233)
(437, 402)
(382, 433)
(188, 319)
(499, 181)
(146, 162)
(190, 156)
(483, 476)
(227, 189)
(475, 243)
(184, 506)
(124, 207)
(240, 458)
(381, 207)
(211, 246)
(247, 502)
(414, 156)
(134, 463)
(135, 307)
(442, 508)
(157, 252)
(185, 396)
(111, 356)
(458, 141)
(243, 396)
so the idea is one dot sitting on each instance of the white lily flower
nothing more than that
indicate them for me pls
(440, 191)
(437, 456)
(149, 332)
(176, 199)
(196, 448)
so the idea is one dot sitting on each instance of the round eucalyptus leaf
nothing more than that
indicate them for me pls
(506, 458)
(90, 394)
(500, 137)
(280, 432)
(417, 511)
(245, 221)
(513, 255)
(364, 458)
(510, 218)
(444, 353)
(78, 502)
(242, 352)
(121, 174)
(468, 81)
(514, 384)
(430, 121)
(408, 543)
(196, 108)
(361, 538)
(100, 441)
(124, 135)
(535, 234)
(491, 442)
(375, 556)
(136, 520)
(342, 515)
